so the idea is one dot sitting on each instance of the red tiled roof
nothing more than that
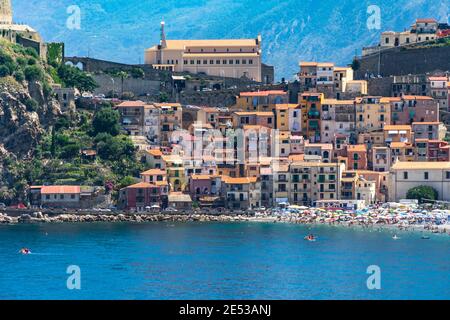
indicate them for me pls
(128, 104)
(60, 189)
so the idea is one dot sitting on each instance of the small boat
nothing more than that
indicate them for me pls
(395, 237)
(25, 251)
(425, 237)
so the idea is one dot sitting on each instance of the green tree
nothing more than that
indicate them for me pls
(76, 78)
(356, 64)
(137, 73)
(106, 120)
(422, 193)
(33, 73)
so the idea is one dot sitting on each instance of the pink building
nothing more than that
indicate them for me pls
(204, 185)
(143, 195)
(357, 157)
(408, 109)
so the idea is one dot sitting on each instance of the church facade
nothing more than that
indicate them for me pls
(233, 58)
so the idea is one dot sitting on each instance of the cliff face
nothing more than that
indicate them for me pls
(24, 115)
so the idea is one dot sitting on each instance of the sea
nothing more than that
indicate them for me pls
(171, 261)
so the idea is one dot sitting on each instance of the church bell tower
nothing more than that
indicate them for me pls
(163, 36)
(5, 12)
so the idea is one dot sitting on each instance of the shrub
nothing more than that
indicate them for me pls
(4, 71)
(19, 76)
(33, 73)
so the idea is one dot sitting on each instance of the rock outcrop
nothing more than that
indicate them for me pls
(21, 126)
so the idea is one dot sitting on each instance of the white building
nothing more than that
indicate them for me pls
(407, 175)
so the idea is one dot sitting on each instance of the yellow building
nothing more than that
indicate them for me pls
(234, 58)
(311, 104)
(372, 113)
(314, 181)
(170, 120)
(175, 172)
(260, 100)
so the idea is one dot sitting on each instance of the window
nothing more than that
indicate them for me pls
(192, 62)
(217, 61)
(231, 61)
(447, 175)
(224, 62)
(250, 61)
(405, 175)
(426, 175)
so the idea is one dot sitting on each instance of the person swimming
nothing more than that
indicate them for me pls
(25, 251)
(310, 237)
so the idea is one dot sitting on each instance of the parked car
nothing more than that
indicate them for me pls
(2, 206)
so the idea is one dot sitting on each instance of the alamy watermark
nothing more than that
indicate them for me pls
(74, 280)
(73, 22)
(374, 280)
(374, 19)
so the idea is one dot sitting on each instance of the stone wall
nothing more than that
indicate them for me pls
(403, 61)
(222, 98)
(380, 86)
(97, 65)
(140, 87)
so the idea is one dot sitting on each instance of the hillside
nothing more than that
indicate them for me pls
(39, 144)
(292, 30)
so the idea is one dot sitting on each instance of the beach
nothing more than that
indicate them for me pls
(435, 221)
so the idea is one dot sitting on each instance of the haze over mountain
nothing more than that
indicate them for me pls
(292, 30)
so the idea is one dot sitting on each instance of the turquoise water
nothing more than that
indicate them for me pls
(219, 261)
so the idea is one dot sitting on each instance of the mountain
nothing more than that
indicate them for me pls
(292, 30)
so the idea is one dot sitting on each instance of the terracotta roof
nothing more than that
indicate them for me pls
(141, 185)
(262, 93)
(179, 197)
(130, 104)
(335, 101)
(396, 127)
(398, 144)
(183, 44)
(245, 180)
(308, 64)
(203, 176)
(427, 20)
(155, 152)
(261, 114)
(60, 189)
(428, 123)
(357, 148)
(153, 172)
(297, 157)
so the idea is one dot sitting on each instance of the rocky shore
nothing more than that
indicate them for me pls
(348, 221)
(38, 217)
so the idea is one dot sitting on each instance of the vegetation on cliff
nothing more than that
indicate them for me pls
(39, 144)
